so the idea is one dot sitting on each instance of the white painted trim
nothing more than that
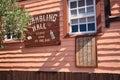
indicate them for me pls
(81, 16)
(11, 38)
(82, 33)
(95, 15)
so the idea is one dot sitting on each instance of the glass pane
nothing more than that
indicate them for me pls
(90, 10)
(82, 20)
(82, 11)
(73, 13)
(91, 19)
(81, 3)
(89, 2)
(91, 27)
(82, 27)
(8, 36)
(73, 4)
(74, 28)
(74, 21)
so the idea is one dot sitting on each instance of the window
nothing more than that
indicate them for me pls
(8, 37)
(85, 52)
(82, 16)
(11, 36)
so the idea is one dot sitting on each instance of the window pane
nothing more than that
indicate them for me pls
(81, 3)
(91, 19)
(91, 27)
(82, 11)
(8, 36)
(82, 27)
(89, 2)
(82, 20)
(73, 4)
(90, 10)
(74, 28)
(74, 21)
(73, 13)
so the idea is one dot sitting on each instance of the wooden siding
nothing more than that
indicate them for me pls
(115, 7)
(32, 75)
(61, 58)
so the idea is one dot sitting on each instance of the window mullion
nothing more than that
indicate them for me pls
(85, 7)
(94, 2)
(78, 16)
(11, 37)
(86, 15)
(69, 16)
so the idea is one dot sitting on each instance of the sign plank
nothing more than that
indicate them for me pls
(44, 30)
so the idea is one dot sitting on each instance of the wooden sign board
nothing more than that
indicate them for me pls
(44, 30)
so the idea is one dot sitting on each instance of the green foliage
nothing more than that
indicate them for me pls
(12, 19)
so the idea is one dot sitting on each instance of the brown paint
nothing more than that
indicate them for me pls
(65, 16)
(115, 7)
(44, 30)
(98, 16)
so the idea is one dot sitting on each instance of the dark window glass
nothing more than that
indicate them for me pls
(74, 21)
(81, 3)
(82, 11)
(91, 19)
(73, 4)
(8, 36)
(91, 27)
(82, 20)
(89, 2)
(90, 10)
(74, 28)
(73, 13)
(82, 27)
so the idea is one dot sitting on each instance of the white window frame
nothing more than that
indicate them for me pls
(11, 38)
(6, 39)
(78, 16)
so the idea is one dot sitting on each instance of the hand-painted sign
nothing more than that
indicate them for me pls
(44, 30)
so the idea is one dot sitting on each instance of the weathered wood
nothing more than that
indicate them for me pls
(32, 75)
(98, 16)
(85, 52)
(44, 30)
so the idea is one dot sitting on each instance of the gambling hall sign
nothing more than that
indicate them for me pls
(44, 30)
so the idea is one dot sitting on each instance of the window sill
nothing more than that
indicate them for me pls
(16, 44)
(69, 35)
(13, 41)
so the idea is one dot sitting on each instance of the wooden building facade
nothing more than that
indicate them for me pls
(65, 46)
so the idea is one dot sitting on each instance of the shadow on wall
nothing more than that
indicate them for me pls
(39, 6)
(59, 58)
(115, 7)
(109, 48)
(50, 58)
